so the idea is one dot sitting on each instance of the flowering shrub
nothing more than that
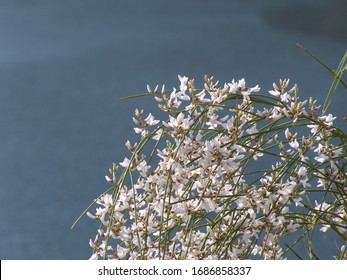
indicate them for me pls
(232, 174)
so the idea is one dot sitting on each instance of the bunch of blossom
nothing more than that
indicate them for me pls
(232, 173)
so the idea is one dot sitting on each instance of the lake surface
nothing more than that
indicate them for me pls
(65, 64)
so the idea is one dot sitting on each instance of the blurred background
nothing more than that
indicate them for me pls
(65, 64)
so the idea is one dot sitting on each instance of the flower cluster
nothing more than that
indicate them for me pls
(232, 175)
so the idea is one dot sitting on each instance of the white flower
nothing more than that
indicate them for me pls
(142, 131)
(256, 155)
(125, 163)
(121, 252)
(254, 89)
(252, 130)
(179, 122)
(218, 96)
(179, 209)
(158, 134)
(275, 114)
(302, 175)
(294, 144)
(108, 179)
(173, 100)
(328, 120)
(183, 80)
(107, 199)
(324, 228)
(275, 93)
(269, 239)
(288, 134)
(92, 216)
(136, 121)
(242, 84)
(292, 227)
(322, 158)
(149, 121)
(214, 121)
(336, 152)
(256, 250)
(94, 257)
(138, 113)
(237, 86)
(201, 97)
(321, 206)
(302, 172)
(143, 168)
(285, 97)
(314, 128)
(131, 148)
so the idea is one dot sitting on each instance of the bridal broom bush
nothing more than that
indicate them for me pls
(232, 173)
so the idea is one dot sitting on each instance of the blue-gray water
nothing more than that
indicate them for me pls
(64, 65)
